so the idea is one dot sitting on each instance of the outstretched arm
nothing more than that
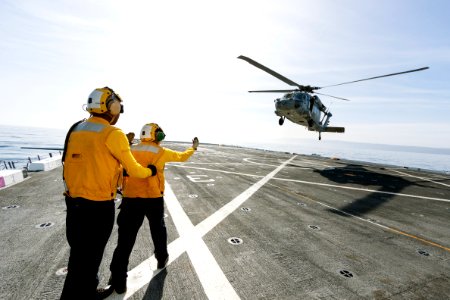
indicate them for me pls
(117, 143)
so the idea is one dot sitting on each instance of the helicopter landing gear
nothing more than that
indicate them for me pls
(320, 137)
(281, 120)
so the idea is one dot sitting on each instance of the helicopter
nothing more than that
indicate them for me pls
(301, 106)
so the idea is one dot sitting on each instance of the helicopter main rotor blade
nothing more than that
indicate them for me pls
(273, 91)
(387, 75)
(332, 96)
(271, 72)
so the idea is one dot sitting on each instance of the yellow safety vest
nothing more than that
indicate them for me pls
(90, 170)
(150, 187)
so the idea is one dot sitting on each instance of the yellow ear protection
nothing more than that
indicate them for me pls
(159, 134)
(116, 107)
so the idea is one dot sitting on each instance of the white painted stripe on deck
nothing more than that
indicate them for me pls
(323, 184)
(215, 283)
(146, 270)
(423, 178)
(363, 189)
(217, 217)
(423, 240)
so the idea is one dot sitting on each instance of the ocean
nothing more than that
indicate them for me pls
(425, 158)
(13, 138)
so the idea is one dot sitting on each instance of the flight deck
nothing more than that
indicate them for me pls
(252, 224)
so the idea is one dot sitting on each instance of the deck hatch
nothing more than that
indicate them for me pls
(423, 252)
(11, 206)
(235, 241)
(346, 273)
(314, 227)
(45, 225)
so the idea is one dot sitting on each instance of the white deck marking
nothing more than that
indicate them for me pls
(324, 184)
(363, 189)
(214, 282)
(216, 170)
(386, 227)
(423, 178)
(210, 222)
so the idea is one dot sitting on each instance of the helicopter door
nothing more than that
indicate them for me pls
(311, 103)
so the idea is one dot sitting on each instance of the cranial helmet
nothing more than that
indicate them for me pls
(152, 132)
(99, 99)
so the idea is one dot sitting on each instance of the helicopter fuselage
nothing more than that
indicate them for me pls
(306, 110)
(300, 108)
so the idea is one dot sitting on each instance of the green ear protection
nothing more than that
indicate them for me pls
(160, 135)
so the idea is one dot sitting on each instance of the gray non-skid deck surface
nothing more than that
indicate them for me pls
(301, 230)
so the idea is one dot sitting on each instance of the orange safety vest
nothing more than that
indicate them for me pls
(90, 170)
(150, 187)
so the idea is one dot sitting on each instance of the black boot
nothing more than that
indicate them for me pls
(162, 263)
(118, 285)
(103, 293)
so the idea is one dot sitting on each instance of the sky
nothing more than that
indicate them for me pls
(175, 63)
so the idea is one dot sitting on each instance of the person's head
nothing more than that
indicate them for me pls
(106, 104)
(151, 132)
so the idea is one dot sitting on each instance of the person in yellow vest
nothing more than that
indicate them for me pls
(144, 198)
(94, 154)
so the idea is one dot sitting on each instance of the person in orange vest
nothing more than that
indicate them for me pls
(144, 198)
(95, 153)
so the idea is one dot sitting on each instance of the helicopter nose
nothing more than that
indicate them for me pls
(283, 105)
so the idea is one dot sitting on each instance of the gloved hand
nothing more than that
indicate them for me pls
(130, 137)
(195, 143)
(153, 168)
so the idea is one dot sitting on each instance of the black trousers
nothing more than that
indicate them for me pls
(129, 220)
(88, 228)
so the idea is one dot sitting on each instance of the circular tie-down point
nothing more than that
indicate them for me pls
(246, 209)
(11, 206)
(301, 204)
(235, 241)
(346, 273)
(61, 272)
(45, 225)
(314, 227)
(423, 252)
(193, 196)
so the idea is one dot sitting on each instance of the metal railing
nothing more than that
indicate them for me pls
(18, 164)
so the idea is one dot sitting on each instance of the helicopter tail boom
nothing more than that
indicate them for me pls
(328, 129)
(334, 129)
